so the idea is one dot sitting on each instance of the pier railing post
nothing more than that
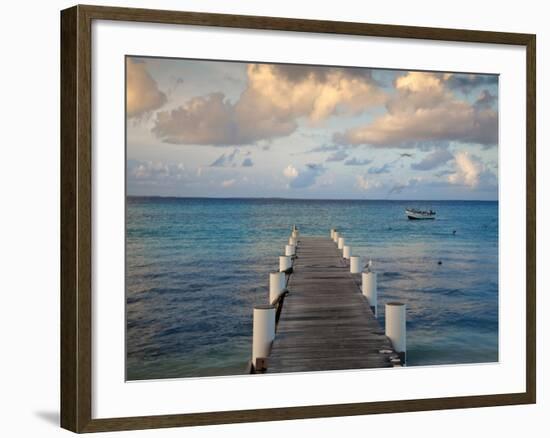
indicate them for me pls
(341, 242)
(276, 285)
(290, 250)
(292, 241)
(346, 253)
(263, 334)
(332, 230)
(354, 262)
(396, 328)
(335, 237)
(285, 262)
(369, 287)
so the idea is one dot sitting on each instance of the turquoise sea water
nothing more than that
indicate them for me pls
(196, 267)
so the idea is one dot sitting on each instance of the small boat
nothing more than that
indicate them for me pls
(414, 214)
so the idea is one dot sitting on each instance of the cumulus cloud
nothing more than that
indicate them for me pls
(340, 155)
(142, 92)
(303, 178)
(470, 172)
(206, 119)
(228, 183)
(355, 162)
(424, 110)
(275, 97)
(314, 92)
(433, 160)
(468, 169)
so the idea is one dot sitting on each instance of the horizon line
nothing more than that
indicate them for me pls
(305, 199)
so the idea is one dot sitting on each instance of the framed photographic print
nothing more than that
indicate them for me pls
(269, 218)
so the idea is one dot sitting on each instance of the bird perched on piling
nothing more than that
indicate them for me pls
(368, 266)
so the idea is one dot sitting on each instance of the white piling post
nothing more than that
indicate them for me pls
(276, 285)
(263, 331)
(346, 253)
(292, 241)
(369, 287)
(290, 250)
(332, 230)
(396, 328)
(341, 242)
(354, 262)
(295, 234)
(285, 262)
(336, 235)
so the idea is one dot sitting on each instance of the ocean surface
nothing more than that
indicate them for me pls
(196, 267)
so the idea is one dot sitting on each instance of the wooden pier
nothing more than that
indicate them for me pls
(326, 323)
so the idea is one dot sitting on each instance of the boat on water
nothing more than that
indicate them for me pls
(415, 214)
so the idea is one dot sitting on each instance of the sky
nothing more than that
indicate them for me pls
(233, 129)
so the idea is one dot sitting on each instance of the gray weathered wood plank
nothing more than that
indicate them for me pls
(326, 323)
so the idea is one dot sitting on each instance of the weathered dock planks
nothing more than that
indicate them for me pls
(326, 323)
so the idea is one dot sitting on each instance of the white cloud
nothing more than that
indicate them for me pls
(468, 169)
(228, 183)
(142, 92)
(290, 171)
(424, 110)
(275, 98)
(313, 92)
(201, 120)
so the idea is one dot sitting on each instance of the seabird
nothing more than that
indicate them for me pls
(368, 266)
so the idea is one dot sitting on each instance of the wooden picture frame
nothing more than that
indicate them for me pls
(76, 217)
